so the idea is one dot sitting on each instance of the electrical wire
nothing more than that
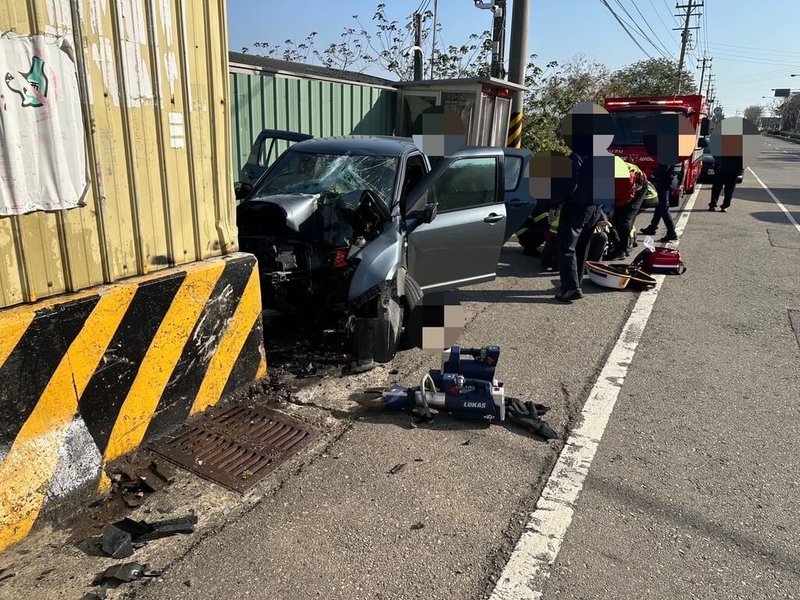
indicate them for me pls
(663, 49)
(658, 16)
(765, 50)
(622, 24)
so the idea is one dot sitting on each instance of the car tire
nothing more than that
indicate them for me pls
(389, 325)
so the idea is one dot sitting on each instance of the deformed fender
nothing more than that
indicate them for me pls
(379, 261)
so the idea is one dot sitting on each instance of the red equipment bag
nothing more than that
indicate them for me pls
(662, 260)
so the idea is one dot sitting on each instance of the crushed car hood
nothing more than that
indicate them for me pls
(326, 219)
(298, 208)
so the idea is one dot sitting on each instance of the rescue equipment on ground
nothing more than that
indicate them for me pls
(466, 387)
(660, 260)
(607, 276)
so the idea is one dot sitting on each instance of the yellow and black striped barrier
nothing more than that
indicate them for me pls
(515, 131)
(88, 378)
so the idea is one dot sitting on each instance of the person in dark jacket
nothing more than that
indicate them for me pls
(576, 224)
(588, 131)
(665, 181)
(726, 173)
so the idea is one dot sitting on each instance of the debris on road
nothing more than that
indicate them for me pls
(119, 539)
(418, 525)
(134, 482)
(397, 468)
(122, 573)
(116, 575)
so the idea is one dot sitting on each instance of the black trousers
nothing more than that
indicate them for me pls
(623, 222)
(575, 228)
(723, 180)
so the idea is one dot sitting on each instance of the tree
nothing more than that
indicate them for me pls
(789, 112)
(753, 113)
(553, 91)
(651, 77)
(385, 45)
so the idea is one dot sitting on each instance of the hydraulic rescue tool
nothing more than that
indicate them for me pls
(466, 387)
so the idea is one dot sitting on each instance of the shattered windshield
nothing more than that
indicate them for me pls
(307, 173)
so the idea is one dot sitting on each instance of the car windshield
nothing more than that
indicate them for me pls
(629, 126)
(309, 173)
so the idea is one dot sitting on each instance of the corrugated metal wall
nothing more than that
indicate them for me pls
(321, 108)
(155, 87)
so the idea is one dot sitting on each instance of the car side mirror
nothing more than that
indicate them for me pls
(242, 190)
(429, 213)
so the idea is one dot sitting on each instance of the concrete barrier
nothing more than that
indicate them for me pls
(87, 378)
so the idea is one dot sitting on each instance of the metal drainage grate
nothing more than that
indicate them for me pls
(237, 446)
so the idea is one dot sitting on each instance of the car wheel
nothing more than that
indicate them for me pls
(389, 325)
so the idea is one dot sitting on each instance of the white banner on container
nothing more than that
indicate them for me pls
(42, 144)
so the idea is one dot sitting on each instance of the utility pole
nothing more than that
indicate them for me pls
(703, 72)
(498, 38)
(433, 34)
(689, 6)
(417, 46)
(516, 68)
(498, 8)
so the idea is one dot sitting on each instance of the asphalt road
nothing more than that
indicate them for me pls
(695, 487)
(693, 491)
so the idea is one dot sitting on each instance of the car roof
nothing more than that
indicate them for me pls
(356, 144)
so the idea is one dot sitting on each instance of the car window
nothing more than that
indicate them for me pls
(270, 150)
(415, 171)
(513, 167)
(310, 173)
(467, 182)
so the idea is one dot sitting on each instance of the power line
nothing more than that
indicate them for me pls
(769, 50)
(658, 16)
(622, 24)
(666, 52)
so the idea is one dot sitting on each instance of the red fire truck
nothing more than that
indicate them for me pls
(629, 116)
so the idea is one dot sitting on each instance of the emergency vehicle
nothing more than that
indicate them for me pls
(629, 116)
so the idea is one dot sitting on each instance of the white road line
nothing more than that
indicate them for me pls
(528, 568)
(775, 199)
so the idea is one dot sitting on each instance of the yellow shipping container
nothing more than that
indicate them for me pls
(152, 77)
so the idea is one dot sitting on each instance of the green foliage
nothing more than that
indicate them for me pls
(789, 112)
(652, 77)
(553, 91)
(753, 113)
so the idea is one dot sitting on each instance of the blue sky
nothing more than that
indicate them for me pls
(754, 49)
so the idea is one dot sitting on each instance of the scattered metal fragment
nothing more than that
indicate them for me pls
(157, 476)
(418, 525)
(119, 539)
(466, 442)
(116, 542)
(122, 573)
(397, 468)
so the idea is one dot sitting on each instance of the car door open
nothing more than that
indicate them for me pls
(461, 245)
(267, 147)
(518, 199)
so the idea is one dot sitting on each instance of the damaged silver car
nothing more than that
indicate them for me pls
(361, 228)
